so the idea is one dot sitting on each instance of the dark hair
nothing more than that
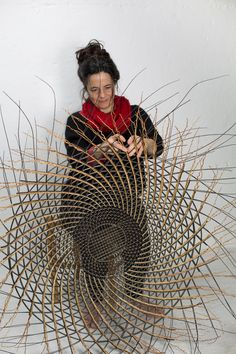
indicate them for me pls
(93, 59)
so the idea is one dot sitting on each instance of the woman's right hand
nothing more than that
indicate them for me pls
(114, 142)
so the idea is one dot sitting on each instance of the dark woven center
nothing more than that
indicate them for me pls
(106, 242)
(108, 235)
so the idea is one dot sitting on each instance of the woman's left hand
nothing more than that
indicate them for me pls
(137, 146)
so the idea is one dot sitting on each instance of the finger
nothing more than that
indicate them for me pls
(129, 148)
(130, 140)
(132, 145)
(140, 151)
(116, 138)
(119, 146)
(132, 150)
(122, 138)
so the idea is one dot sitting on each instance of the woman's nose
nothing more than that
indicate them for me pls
(101, 93)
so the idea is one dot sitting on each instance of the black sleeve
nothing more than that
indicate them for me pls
(78, 139)
(145, 127)
(77, 134)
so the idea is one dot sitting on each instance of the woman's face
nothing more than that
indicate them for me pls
(100, 89)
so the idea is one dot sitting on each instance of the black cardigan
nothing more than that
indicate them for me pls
(128, 172)
(76, 127)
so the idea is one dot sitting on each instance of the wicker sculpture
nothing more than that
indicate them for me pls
(103, 261)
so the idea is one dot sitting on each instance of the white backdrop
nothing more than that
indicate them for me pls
(189, 40)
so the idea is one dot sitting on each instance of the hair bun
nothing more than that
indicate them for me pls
(94, 59)
(93, 49)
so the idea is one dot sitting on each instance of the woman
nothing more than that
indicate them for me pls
(107, 142)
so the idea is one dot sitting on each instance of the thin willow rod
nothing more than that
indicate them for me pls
(97, 133)
(183, 271)
(173, 194)
(217, 285)
(228, 307)
(192, 199)
(155, 181)
(43, 208)
(207, 313)
(221, 245)
(22, 151)
(26, 203)
(73, 178)
(159, 315)
(189, 330)
(172, 136)
(54, 106)
(43, 313)
(123, 166)
(157, 90)
(19, 276)
(160, 102)
(162, 183)
(88, 310)
(31, 335)
(110, 328)
(122, 182)
(213, 149)
(65, 329)
(220, 225)
(187, 93)
(128, 311)
(25, 233)
(189, 225)
(146, 163)
(132, 80)
(211, 143)
(27, 119)
(191, 133)
(194, 137)
(9, 149)
(69, 177)
(80, 310)
(134, 176)
(86, 164)
(135, 179)
(171, 281)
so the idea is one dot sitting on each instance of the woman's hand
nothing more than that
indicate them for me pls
(114, 142)
(137, 145)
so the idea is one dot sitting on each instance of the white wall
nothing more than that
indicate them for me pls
(189, 40)
(181, 39)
